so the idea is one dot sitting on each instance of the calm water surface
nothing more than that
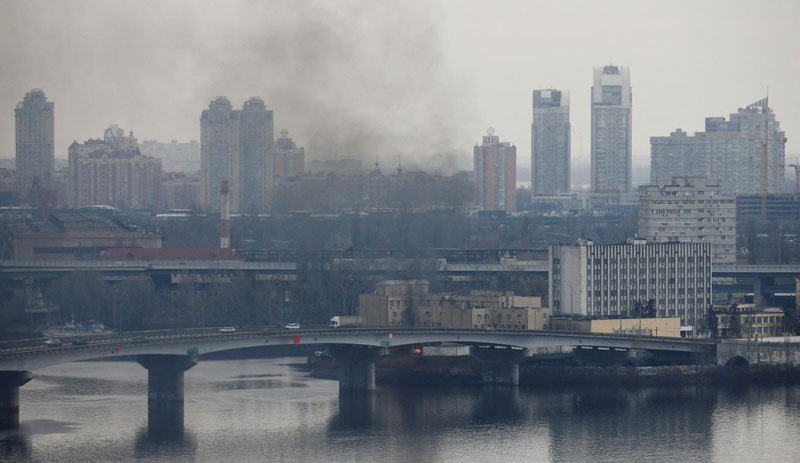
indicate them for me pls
(270, 410)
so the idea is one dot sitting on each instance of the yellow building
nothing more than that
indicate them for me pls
(669, 327)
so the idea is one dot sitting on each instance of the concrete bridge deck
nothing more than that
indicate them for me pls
(31, 355)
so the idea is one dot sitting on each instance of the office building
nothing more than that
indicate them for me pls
(112, 172)
(743, 155)
(236, 146)
(34, 155)
(496, 173)
(782, 212)
(611, 130)
(690, 210)
(550, 143)
(617, 280)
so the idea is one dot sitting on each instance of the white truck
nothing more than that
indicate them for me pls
(345, 320)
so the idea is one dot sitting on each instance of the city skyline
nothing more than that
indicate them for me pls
(399, 81)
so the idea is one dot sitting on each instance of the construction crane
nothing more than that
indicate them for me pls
(763, 104)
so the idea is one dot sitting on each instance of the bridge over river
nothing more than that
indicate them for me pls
(168, 354)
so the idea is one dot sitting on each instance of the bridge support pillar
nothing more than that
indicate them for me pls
(10, 382)
(500, 366)
(356, 367)
(165, 392)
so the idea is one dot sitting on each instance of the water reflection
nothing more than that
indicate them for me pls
(356, 411)
(161, 442)
(598, 422)
(498, 404)
(15, 445)
(261, 411)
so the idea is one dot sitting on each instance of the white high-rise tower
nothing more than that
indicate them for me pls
(611, 130)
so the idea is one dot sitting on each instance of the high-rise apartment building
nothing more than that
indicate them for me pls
(252, 174)
(550, 143)
(496, 173)
(608, 280)
(34, 155)
(219, 141)
(740, 154)
(690, 210)
(611, 130)
(288, 159)
(674, 156)
(236, 146)
(112, 172)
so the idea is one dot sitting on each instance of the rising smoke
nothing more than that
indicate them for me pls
(347, 78)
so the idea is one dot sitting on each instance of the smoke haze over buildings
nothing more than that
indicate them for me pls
(414, 82)
(347, 78)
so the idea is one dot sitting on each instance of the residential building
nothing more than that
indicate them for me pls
(175, 156)
(252, 168)
(606, 280)
(744, 154)
(496, 173)
(236, 146)
(674, 156)
(219, 141)
(611, 130)
(689, 210)
(112, 172)
(288, 159)
(180, 191)
(34, 155)
(550, 143)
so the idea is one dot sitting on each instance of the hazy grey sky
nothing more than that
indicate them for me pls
(413, 80)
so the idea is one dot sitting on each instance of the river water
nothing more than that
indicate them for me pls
(271, 410)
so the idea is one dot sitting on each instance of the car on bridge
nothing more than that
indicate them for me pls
(227, 329)
(52, 342)
(292, 326)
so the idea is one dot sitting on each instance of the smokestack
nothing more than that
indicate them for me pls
(225, 225)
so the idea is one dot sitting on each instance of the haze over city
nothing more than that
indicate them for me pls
(414, 82)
